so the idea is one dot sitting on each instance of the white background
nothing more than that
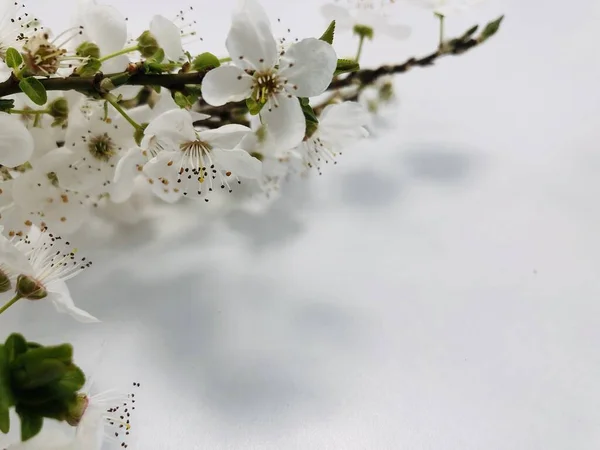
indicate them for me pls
(437, 289)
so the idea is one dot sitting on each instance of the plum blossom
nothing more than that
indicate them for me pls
(42, 263)
(365, 13)
(16, 26)
(260, 72)
(189, 162)
(340, 125)
(168, 36)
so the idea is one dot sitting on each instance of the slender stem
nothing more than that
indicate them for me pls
(28, 111)
(11, 302)
(361, 40)
(119, 53)
(226, 59)
(113, 101)
(441, 17)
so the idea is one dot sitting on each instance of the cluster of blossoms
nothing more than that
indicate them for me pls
(101, 117)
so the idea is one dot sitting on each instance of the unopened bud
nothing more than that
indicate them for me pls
(88, 50)
(363, 31)
(147, 44)
(59, 109)
(77, 409)
(30, 288)
(5, 284)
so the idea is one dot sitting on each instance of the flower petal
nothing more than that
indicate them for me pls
(59, 294)
(250, 40)
(239, 162)
(226, 84)
(176, 123)
(14, 258)
(125, 173)
(343, 18)
(16, 143)
(168, 36)
(227, 136)
(162, 176)
(285, 121)
(105, 26)
(308, 67)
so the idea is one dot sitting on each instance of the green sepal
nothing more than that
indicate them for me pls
(309, 113)
(34, 89)
(91, 67)
(205, 61)
(31, 423)
(88, 50)
(182, 100)
(13, 58)
(491, 29)
(73, 380)
(327, 36)
(158, 56)
(253, 106)
(346, 66)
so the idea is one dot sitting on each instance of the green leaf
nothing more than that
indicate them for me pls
(346, 66)
(73, 380)
(91, 67)
(309, 113)
(31, 423)
(253, 106)
(34, 89)
(62, 353)
(14, 346)
(5, 392)
(329, 32)
(491, 29)
(13, 58)
(181, 100)
(470, 32)
(158, 56)
(39, 374)
(205, 61)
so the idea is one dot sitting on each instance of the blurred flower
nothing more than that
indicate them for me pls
(446, 7)
(364, 14)
(16, 143)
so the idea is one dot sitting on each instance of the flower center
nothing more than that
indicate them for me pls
(195, 147)
(266, 85)
(102, 147)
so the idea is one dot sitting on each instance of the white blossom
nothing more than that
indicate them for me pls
(16, 26)
(168, 36)
(365, 13)
(339, 125)
(260, 72)
(48, 262)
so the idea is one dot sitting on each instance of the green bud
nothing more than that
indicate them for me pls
(386, 91)
(30, 288)
(88, 50)
(5, 284)
(76, 409)
(59, 109)
(363, 31)
(147, 44)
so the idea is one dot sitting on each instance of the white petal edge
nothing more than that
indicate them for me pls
(239, 162)
(226, 84)
(308, 67)
(285, 123)
(16, 143)
(227, 136)
(105, 26)
(168, 36)
(59, 294)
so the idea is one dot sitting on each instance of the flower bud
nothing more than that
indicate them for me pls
(5, 283)
(77, 409)
(88, 50)
(147, 44)
(30, 288)
(59, 109)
